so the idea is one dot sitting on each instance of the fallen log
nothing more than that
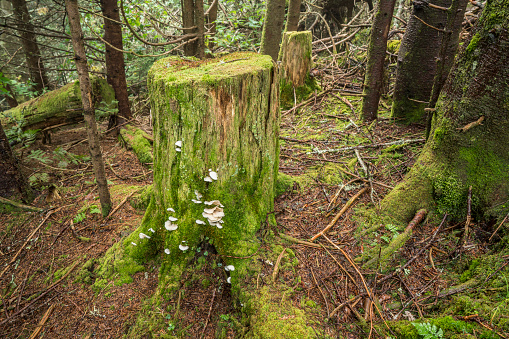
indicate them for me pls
(61, 106)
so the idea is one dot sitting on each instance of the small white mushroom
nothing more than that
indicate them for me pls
(167, 251)
(151, 230)
(198, 195)
(219, 226)
(178, 143)
(169, 226)
(183, 246)
(133, 243)
(207, 179)
(170, 210)
(229, 280)
(200, 222)
(143, 235)
(172, 219)
(196, 201)
(229, 268)
(178, 149)
(213, 175)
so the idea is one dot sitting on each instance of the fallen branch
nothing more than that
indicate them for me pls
(503, 221)
(45, 318)
(20, 205)
(343, 210)
(276, 266)
(351, 148)
(121, 204)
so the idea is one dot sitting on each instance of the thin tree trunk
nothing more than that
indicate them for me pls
(292, 21)
(10, 97)
(12, 183)
(199, 21)
(271, 35)
(376, 58)
(115, 66)
(211, 21)
(30, 48)
(188, 12)
(88, 108)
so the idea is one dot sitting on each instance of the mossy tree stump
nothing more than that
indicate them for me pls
(295, 57)
(216, 156)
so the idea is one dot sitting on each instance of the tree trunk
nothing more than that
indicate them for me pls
(374, 77)
(211, 21)
(417, 58)
(63, 105)
(199, 21)
(296, 83)
(29, 44)
(271, 34)
(115, 67)
(12, 183)
(469, 143)
(88, 108)
(193, 16)
(292, 21)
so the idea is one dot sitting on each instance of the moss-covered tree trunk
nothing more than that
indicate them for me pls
(374, 76)
(469, 143)
(273, 24)
(295, 56)
(63, 105)
(417, 57)
(216, 156)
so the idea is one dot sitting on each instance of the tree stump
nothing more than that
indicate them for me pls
(295, 56)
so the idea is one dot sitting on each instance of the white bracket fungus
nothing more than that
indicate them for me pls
(169, 226)
(198, 195)
(229, 268)
(196, 201)
(151, 230)
(200, 222)
(207, 179)
(183, 246)
(170, 210)
(133, 243)
(229, 280)
(172, 219)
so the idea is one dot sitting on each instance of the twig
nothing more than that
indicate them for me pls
(321, 292)
(276, 266)
(28, 239)
(351, 148)
(45, 318)
(503, 221)
(343, 210)
(43, 293)
(340, 306)
(208, 316)
(469, 215)
(304, 103)
(121, 204)
(344, 269)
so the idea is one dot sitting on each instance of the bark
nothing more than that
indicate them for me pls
(418, 54)
(29, 44)
(271, 34)
(115, 66)
(63, 105)
(13, 184)
(292, 21)
(187, 23)
(199, 21)
(374, 77)
(88, 108)
(211, 21)
(468, 143)
(10, 97)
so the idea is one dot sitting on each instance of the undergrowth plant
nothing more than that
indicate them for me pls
(428, 331)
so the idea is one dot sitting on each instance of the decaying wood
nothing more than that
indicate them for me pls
(276, 266)
(340, 213)
(471, 125)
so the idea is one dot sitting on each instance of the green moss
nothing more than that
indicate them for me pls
(393, 46)
(141, 200)
(138, 141)
(283, 183)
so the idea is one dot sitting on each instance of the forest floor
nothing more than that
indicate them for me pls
(330, 158)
